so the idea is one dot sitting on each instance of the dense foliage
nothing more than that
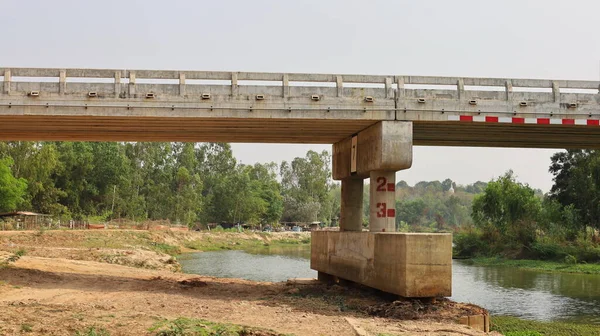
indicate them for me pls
(12, 190)
(184, 182)
(512, 220)
(430, 206)
(434, 206)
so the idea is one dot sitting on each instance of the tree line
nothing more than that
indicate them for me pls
(191, 183)
(186, 183)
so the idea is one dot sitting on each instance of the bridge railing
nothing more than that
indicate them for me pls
(419, 95)
(392, 80)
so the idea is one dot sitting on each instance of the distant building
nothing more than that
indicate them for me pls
(24, 220)
(451, 190)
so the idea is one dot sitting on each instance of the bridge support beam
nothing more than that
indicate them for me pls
(406, 264)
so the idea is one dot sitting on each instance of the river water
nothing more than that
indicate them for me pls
(502, 290)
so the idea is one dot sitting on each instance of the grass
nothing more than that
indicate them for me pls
(13, 258)
(241, 241)
(211, 244)
(197, 327)
(512, 326)
(287, 241)
(78, 316)
(165, 248)
(539, 265)
(25, 327)
(92, 331)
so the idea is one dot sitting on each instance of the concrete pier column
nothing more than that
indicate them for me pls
(382, 207)
(351, 212)
(406, 264)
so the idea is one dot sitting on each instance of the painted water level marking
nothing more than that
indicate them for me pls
(383, 197)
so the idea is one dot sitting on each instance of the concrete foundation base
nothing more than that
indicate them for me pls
(406, 264)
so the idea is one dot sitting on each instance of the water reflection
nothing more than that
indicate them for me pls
(258, 265)
(529, 294)
(502, 290)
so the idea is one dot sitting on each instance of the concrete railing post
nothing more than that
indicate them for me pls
(117, 84)
(460, 86)
(339, 84)
(62, 82)
(556, 91)
(182, 85)
(7, 78)
(132, 84)
(286, 85)
(389, 88)
(234, 84)
(509, 90)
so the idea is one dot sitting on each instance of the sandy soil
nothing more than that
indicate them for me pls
(59, 296)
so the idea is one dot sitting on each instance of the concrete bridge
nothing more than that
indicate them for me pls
(104, 104)
(372, 122)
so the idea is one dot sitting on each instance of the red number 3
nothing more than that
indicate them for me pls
(381, 210)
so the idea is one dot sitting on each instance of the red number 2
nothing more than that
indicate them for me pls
(382, 181)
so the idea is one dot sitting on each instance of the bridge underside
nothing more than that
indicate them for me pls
(308, 131)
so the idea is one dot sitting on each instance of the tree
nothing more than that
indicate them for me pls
(447, 184)
(264, 180)
(38, 164)
(305, 186)
(12, 190)
(221, 189)
(509, 208)
(577, 182)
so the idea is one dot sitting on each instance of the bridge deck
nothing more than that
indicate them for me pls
(143, 105)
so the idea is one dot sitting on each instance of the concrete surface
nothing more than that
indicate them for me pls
(384, 146)
(477, 322)
(351, 207)
(296, 108)
(406, 264)
(382, 203)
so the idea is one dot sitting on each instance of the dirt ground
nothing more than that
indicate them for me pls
(55, 295)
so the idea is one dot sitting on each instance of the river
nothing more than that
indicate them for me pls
(502, 290)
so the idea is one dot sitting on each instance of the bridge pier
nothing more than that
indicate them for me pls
(406, 264)
(351, 204)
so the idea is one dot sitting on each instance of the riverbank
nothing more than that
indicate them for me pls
(139, 248)
(216, 241)
(62, 283)
(536, 265)
(512, 326)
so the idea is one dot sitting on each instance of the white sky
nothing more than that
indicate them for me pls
(521, 38)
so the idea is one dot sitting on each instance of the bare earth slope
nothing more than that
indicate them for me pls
(60, 296)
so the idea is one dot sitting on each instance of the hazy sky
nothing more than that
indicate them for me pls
(527, 39)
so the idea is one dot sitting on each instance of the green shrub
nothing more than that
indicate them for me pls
(546, 250)
(166, 248)
(20, 252)
(469, 244)
(571, 260)
(26, 327)
(16, 256)
(92, 331)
